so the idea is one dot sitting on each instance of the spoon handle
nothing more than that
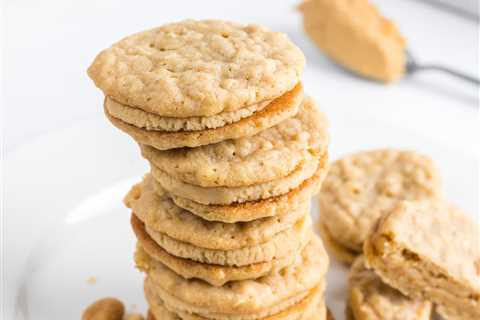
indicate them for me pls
(455, 73)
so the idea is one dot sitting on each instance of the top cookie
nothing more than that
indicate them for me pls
(198, 68)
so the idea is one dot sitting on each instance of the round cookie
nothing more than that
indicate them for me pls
(252, 210)
(229, 195)
(306, 309)
(276, 111)
(217, 275)
(361, 186)
(282, 244)
(152, 121)
(159, 213)
(260, 297)
(311, 307)
(198, 68)
(318, 315)
(369, 296)
(266, 156)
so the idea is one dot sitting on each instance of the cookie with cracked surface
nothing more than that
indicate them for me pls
(276, 111)
(216, 275)
(304, 310)
(228, 195)
(282, 244)
(198, 68)
(361, 186)
(429, 250)
(371, 299)
(266, 156)
(252, 210)
(260, 297)
(161, 214)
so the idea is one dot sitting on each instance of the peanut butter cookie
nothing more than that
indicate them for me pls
(360, 187)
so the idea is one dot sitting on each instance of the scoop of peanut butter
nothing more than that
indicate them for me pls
(356, 36)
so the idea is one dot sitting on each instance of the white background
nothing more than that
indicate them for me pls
(50, 43)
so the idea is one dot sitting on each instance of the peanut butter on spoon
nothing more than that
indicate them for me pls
(356, 36)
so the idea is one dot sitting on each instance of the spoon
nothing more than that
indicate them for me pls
(413, 66)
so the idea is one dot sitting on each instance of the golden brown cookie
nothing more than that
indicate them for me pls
(371, 299)
(429, 250)
(160, 213)
(152, 121)
(280, 245)
(216, 275)
(277, 110)
(278, 291)
(303, 310)
(360, 187)
(229, 195)
(252, 210)
(269, 155)
(198, 68)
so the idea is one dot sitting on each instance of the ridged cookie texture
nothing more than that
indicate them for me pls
(360, 187)
(276, 111)
(198, 68)
(252, 210)
(266, 156)
(282, 244)
(258, 298)
(161, 214)
(430, 250)
(371, 299)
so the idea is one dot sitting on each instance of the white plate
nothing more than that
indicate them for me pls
(65, 221)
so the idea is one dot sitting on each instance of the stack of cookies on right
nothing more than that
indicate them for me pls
(411, 252)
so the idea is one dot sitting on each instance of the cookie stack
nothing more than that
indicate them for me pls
(236, 153)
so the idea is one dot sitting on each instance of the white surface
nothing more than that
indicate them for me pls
(66, 223)
(464, 6)
(50, 43)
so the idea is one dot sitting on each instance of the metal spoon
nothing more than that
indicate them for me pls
(413, 66)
